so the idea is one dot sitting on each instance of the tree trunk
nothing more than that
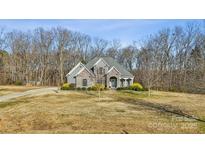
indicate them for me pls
(61, 67)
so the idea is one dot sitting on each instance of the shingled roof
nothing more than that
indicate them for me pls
(111, 62)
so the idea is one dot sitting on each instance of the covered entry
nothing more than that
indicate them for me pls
(113, 82)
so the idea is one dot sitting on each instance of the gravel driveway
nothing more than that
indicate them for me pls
(34, 92)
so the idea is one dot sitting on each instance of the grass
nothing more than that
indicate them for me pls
(4, 90)
(116, 112)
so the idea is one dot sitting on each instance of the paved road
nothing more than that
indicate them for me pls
(33, 92)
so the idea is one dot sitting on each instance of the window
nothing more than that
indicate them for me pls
(128, 82)
(100, 70)
(122, 83)
(85, 82)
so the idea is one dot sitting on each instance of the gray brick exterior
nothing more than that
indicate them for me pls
(99, 72)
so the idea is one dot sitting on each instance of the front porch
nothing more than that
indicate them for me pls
(115, 82)
(126, 82)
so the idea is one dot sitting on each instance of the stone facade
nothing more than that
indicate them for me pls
(84, 75)
(99, 72)
(113, 73)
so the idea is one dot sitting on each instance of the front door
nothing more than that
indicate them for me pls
(113, 82)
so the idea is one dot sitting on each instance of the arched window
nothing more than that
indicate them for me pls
(85, 83)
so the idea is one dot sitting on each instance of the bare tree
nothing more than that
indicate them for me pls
(127, 56)
(114, 49)
(62, 36)
(43, 42)
(99, 47)
(171, 59)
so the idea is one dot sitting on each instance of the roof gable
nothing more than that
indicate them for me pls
(112, 68)
(80, 70)
(84, 68)
(74, 68)
(118, 66)
(101, 59)
(111, 62)
(90, 64)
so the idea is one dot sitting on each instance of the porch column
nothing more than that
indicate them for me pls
(131, 81)
(118, 82)
(107, 81)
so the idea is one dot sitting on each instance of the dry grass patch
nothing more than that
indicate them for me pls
(4, 90)
(82, 112)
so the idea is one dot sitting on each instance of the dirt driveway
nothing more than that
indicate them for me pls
(34, 92)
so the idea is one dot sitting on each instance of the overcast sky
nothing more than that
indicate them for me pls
(124, 30)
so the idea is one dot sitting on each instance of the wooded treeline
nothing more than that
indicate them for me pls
(172, 59)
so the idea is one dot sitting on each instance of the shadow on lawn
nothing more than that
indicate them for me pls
(162, 108)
